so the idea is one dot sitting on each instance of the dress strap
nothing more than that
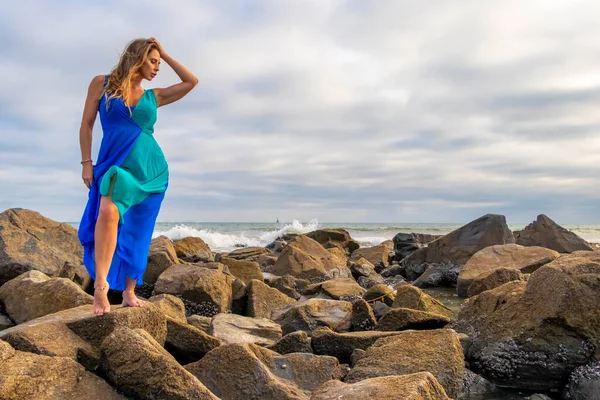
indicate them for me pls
(105, 80)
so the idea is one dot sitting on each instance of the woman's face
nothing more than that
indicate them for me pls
(151, 65)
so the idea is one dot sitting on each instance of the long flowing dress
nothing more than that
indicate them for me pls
(131, 168)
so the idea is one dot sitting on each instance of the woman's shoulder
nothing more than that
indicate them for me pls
(97, 85)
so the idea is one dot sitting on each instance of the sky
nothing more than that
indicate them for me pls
(341, 111)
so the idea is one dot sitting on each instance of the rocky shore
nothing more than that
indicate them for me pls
(310, 316)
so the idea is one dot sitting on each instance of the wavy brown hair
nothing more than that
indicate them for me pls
(128, 68)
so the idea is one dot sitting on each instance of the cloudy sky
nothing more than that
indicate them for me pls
(344, 111)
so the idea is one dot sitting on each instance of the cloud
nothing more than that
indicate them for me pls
(338, 110)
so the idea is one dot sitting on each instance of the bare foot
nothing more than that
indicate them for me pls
(131, 300)
(101, 303)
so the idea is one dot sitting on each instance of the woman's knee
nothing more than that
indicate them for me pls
(108, 210)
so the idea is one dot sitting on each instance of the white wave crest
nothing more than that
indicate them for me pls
(220, 241)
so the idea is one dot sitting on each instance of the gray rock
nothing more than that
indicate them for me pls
(232, 328)
(544, 232)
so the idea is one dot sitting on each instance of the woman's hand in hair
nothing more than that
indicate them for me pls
(159, 47)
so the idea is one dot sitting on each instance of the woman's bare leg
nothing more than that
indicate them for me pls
(105, 242)
(129, 297)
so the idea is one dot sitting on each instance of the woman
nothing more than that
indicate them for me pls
(128, 182)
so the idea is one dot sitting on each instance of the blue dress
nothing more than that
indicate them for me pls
(131, 168)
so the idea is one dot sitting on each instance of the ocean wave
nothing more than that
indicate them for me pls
(216, 240)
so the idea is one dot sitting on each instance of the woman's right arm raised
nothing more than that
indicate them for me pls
(87, 124)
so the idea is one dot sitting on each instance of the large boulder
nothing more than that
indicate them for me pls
(193, 249)
(171, 306)
(197, 283)
(334, 238)
(459, 245)
(232, 328)
(30, 241)
(54, 339)
(378, 255)
(251, 372)
(534, 334)
(417, 386)
(249, 253)
(408, 296)
(544, 232)
(33, 294)
(244, 270)
(25, 375)
(337, 289)
(306, 258)
(161, 256)
(497, 277)
(341, 345)
(138, 366)
(437, 351)
(525, 259)
(263, 300)
(187, 343)
(399, 319)
(310, 314)
(94, 329)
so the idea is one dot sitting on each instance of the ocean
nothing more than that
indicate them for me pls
(226, 236)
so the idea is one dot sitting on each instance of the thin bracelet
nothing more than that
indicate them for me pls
(84, 161)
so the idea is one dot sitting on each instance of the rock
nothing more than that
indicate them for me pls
(198, 284)
(367, 282)
(30, 241)
(539, 396)
(417, 386)
(289, 285)
(171, 306)
(378, 255)
(544, 232)
(5, 322)
(26, 375)
(405, 244)
(263, 300)
(161, 256)
(337, 289)
(33, 294)
(338, 254)
(459, 245)
(436, 275)
(334, 238)
(239, 296)
(248, 253)
(232, 328)
(436, 351)
(77, 274)
(247, 371)
(477, 387)
(584, 383)
(394, 270)
(6, 351)
(56, 340)
(494, 279)
(244, 270)
(295, 342)
(341, 345)
(193, 249)
(266, 262)
(360, 319)
(408, 296)
(361, 267)
(414, 271)
(200, 322)
(310, 314)
(93, 329)
(379, 309)
(399, 319)
(511, 256)
(381, 293)
(187, 343)
(306, 258)
(533, 334)
(138, 366)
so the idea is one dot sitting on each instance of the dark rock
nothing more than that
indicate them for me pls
(584, 383)
(459, 245)
(330, 238)
(477, 387)
(544, 232)
(438, 275)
